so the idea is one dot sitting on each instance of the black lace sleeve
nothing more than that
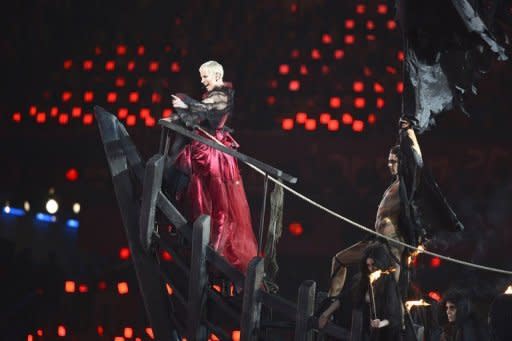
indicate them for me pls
(213, 107)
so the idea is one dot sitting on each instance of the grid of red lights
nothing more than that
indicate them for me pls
(132, 106)
(356, 110)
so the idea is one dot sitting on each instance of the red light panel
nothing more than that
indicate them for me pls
(153, 66)
(296, 229)
(88, 96)
(284, 69)
(358, 126)
(110, 65)
(301, 117)
(349, 39)
(294, 85)
(88, 118)
(333, 125)
(359, 102)
(71, 174)
(16, 117)
(335, 102)
(310, 124)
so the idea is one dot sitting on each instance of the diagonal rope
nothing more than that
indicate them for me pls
(364, 228)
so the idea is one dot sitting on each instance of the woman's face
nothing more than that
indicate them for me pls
(370, 263)
(209, 79)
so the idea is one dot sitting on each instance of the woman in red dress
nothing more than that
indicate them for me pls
(215, 186)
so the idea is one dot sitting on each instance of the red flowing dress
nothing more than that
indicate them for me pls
(215, 187)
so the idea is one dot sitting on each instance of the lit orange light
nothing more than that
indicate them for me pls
(149, 331)
(235, 335)
(372, 118)
(217, 288)
(350, 24)
(325, 118)
(416, 303)
(39, 332)
(30, 337)
(391, 24)
(301, 117)
(435, 296)
(61, 331)
(357, 126)
(119, 338)
(287, 124)
(122, 113)
(360, 9)
(131, 120)
(76, 112)
(214, 337)
(310, 124)
(128, 332)
(400, 87)
(69, 286)
(359, 102)
(333, 125)
(33, 110)
(335, 102)
(120, 82)
(169, 289)
(54, 111)
(346, 118)
(370, 25)
(122, 288)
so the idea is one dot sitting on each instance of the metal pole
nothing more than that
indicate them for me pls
(262, 215)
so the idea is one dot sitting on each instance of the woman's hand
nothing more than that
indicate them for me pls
(178, 103)
(375, 323)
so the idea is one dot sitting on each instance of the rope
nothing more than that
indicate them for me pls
(364, 228)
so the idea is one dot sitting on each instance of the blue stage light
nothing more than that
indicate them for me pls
(73, 223)
(14, 211)
(46, 217)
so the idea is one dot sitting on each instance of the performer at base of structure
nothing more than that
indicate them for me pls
(411, 210)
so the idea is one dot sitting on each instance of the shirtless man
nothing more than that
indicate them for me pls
(386, 223)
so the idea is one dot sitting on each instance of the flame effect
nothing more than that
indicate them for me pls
(414, 254)
(376, 274)
(509, 290)
(417, 303)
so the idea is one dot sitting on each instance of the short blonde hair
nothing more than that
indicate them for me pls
(213, 66)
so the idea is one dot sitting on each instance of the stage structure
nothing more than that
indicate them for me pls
(183, 299)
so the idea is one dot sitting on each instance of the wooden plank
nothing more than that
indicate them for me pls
(198, 279)
(122, 157)
(251, 306)
(305, 309)
(152, 184)
(272, 171)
